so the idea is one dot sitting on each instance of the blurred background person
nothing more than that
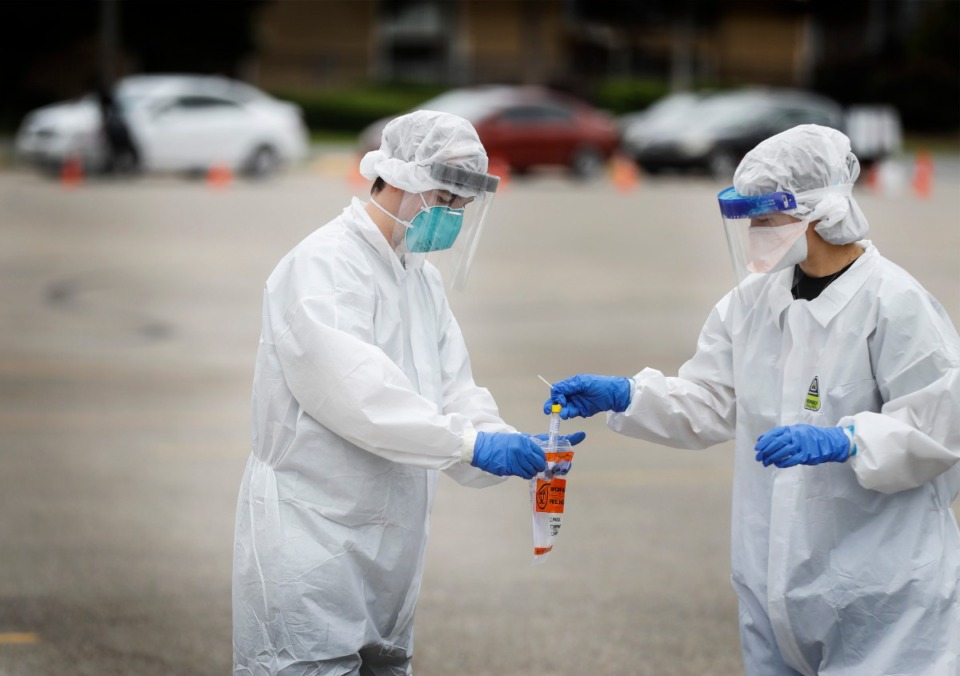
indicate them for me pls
(121, 155)
(831, 361)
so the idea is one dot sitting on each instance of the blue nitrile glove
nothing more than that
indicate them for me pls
(506, 454)
(574, 438)
(804, 445)
(585, 395)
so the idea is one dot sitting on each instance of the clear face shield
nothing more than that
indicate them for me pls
(762, 238)
(445, 224)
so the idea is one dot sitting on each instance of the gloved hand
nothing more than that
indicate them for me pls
(804, 445)
(508, 454)
(574, 438)
(585, 395)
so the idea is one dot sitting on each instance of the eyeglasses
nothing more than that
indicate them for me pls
(445, 198)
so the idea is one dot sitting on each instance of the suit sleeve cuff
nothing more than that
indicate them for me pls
(468, 440)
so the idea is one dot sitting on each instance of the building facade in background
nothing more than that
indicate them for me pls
(346, 42)
(905, 52)
(343, 42)
(776, 42)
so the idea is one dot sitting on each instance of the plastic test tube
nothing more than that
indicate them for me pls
(554, 432)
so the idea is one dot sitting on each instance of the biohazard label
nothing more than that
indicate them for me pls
(813, 395)
(550, 495)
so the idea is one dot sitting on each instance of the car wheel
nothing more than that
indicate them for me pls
(649, 167)
(586, 163)
(263, 162)
(722, 164)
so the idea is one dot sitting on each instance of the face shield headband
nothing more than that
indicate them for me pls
(463, 181)
(735, 205)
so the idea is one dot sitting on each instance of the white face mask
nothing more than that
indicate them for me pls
(777, 247)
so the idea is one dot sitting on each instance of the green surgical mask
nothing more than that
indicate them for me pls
(434, 229)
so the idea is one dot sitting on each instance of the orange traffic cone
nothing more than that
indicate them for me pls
(871, 180)
(355, 178)
(71, 172)
(501, 168)
(923, 174)
(219, 176)
(624, 174)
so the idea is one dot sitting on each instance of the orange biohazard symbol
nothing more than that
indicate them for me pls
(543, 495)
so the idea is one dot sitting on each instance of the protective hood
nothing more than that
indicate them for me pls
(413, 145)
(815, 165)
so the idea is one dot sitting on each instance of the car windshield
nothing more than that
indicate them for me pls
(718, 112)
(244, 93)
(671, 105)
(133, 92)
(733, 111)
(471, 105)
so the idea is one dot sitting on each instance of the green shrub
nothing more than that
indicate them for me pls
(350, 109)
(628, 95)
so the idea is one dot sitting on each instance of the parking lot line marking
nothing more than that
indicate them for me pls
(18, 638)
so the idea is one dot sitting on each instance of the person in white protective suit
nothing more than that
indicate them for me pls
(838, 376)
(362, 392)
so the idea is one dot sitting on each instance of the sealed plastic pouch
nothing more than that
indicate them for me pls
(547, 496)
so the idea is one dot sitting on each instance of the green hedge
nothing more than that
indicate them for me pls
(351, 109)
(629, 95)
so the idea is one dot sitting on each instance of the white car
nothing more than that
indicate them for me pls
(177, 123)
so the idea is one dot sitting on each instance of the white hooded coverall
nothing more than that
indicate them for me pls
(841, 569)
(362, 391)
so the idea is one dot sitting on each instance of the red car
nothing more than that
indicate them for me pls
(526, 127)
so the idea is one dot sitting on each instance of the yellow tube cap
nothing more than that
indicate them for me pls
(555, 408)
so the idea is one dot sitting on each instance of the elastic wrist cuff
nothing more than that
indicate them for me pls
(632, 384)
(848, 430)
(468, 441)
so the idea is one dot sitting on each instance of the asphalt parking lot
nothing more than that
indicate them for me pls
(129, 320)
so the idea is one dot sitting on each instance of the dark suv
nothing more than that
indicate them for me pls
(713, 132)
